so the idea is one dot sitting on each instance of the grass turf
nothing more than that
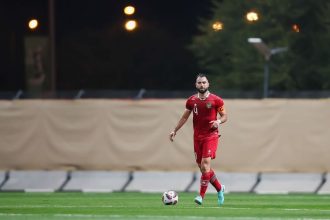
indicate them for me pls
(56, 206)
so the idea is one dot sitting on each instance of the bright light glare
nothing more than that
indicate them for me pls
(130, 25)
(296, 28)
(33, 23)
(129, 10)
(252, 16)
(217, 26)
(254, 40)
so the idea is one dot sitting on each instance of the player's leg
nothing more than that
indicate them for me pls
(220, 188)
(213, 145)
(198, 156)
(215, 181)
(205, 168)
(212, 149)
(199, 199)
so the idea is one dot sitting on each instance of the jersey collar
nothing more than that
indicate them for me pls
(206, 96)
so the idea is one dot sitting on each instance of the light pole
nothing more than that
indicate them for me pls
(267, 53)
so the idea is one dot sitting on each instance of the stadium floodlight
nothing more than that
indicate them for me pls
(131, 25)
(267, 53)
(33, 24)
(129, 10)
(252, 16)
(260, 46)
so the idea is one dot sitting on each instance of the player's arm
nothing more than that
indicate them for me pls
(223, 115)
(222, 119)
(181, 122)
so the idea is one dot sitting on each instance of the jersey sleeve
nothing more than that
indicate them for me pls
(189, 105)
(220, 104)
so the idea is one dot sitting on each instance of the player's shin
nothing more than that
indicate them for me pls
(205, 179)
(214, 181)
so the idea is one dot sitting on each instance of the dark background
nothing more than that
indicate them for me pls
(93, 51)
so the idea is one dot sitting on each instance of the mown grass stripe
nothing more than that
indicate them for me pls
(132, 206)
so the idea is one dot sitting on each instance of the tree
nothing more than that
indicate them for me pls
(235, 64)
(310, 56)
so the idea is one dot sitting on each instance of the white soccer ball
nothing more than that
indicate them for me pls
(170, 197)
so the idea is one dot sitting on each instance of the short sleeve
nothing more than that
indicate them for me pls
(188, 105)
(220, 104)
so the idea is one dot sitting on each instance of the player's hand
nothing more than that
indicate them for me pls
(172, 135)
(215, 123)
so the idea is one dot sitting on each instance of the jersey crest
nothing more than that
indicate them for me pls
(208, 105)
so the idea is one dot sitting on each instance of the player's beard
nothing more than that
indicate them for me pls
(202, 90)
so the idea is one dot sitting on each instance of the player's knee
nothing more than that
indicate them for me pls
(205, 166)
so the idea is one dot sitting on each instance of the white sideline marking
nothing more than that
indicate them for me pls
(125, 206)
(285, 209)
(60, 206)
(143, 217)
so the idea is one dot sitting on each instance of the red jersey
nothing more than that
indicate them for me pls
(204, 111)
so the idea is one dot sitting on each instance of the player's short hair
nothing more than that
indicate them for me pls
(201, 75)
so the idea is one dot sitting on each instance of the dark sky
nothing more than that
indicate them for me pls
(177, 17)
(172, 15)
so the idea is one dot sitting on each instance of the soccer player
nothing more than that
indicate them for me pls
(205, 107)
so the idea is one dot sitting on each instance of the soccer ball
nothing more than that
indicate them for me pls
(170, 197)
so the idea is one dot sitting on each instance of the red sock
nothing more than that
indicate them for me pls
(214, 181)
(205, 179)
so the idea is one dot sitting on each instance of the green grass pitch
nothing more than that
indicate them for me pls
(58, 206)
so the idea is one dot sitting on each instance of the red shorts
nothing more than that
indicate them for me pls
(205, 147)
